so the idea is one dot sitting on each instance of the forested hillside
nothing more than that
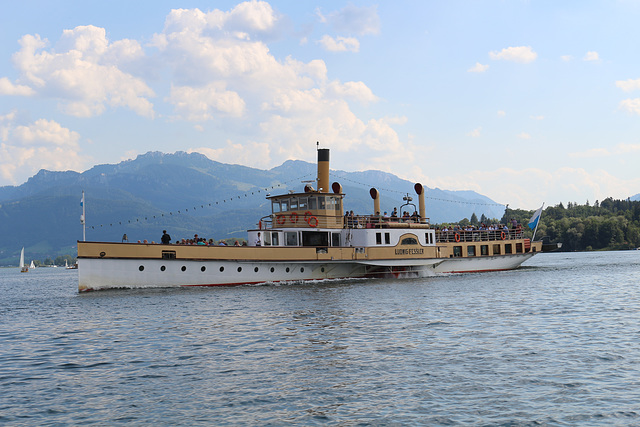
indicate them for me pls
(607, 225)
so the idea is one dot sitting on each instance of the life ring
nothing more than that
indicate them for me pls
(280, 219)
(307, 215)
(293, 217)
(312, 221)
(456, 237)
(502, 235)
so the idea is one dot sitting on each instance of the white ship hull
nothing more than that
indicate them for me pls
(97, 274)
(483, 264)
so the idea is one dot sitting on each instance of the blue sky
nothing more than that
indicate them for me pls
(523, 101)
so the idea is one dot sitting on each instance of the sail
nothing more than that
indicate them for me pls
(32, 265)
(22, 258)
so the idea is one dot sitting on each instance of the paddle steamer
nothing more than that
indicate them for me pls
(306, 237)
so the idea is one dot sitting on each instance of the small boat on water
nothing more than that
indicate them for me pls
(306, 237)
(23, 268)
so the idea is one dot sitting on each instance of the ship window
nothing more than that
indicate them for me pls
(272, 269)
(457, 251)
(275, 206)
(284, 205)
(267, 238)
(484, 249)
(335, 239)
(378, 238)
(168, 254)
(203, 268)
(184, 268)
(291, 238)
(321, 202)
(313, 203)
(518, 248)
(315, 238)
(274, 239)
(287, 269)
(301, 269)
(293, 204)
(302, 203)
(239, 269)
(507, 248)
(496, 249)
(221, 269)
(255, 269)
(163, 268)
(409, 241)
(141, 268)
(471, 250)
(387, 239)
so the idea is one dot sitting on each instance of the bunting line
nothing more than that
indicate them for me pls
(203, 206)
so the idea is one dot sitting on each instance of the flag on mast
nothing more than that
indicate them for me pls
(533, 222)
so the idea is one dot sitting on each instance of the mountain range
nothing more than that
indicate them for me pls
(185, 193)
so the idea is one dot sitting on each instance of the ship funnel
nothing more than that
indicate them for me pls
(323, 170)
(421, 206)
(375, 195)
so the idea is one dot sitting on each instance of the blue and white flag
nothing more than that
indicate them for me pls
(82, 200)
(533, 222)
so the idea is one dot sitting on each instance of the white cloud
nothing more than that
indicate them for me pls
(631, 105)
(618, 150)
(339, 44)
(521, 54)
(43, 144)
(591, 153)
(501, 113)
(524, 135)
(475, 133)
(536, 117)
(82, 72)
(628, 85)
(200, 104)
(8, 88)
(566, 58)
(478, 68)
(353, 19)
(591, 56)
(357, 91)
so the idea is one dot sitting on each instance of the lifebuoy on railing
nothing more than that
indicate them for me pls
(456, 237)
(280, 219)
(307, 215)
(312, 221)
(503, 235)
(293, 217)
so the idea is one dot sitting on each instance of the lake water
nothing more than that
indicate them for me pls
(556, 342)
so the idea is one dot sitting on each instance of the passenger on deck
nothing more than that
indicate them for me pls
(258, 240)
(165, 239)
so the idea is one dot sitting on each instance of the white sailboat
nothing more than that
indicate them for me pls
(23, 268)
(32, 265)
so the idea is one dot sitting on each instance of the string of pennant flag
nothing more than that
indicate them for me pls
(426, 197)
(252, 193)
(202, 206)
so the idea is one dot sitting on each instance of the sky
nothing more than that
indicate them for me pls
(526, 102)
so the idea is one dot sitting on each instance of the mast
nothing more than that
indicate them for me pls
(82, 219)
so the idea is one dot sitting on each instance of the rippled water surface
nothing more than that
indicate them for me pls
(556, 342)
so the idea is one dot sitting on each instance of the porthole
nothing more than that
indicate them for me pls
(255, 269)
(221, 269)
(184, 268)
(239, 269)
(287, 269)
(163, 268)
(322, 269)
(141, 268)
(301, 269)
(203, 268)
(272, 269)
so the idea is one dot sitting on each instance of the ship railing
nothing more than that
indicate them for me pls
(377, 221)
(455, 236)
